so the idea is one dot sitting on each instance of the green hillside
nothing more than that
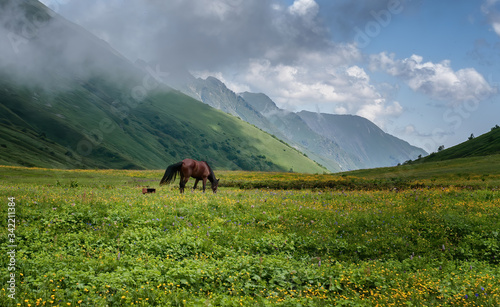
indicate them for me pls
(483, 145)
(471, 163)
(81, 129)
(292, 127)
(95, 109)
(461, 170)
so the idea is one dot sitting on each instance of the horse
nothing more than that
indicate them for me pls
(200, 170)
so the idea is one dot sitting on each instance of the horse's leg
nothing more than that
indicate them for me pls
(195, 184)
(182, 184)
(204, 184)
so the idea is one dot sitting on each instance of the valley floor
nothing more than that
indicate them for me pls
(91, 238)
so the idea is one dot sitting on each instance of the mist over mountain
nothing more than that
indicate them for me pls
(40, 48)
(76, 102)
(67, 99)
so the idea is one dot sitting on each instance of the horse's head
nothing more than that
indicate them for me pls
(215, 184)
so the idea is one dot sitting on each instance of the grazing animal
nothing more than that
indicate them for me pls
(199, 170)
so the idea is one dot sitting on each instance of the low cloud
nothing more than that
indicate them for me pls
(39, 48)
(282, 49)
(201, 35)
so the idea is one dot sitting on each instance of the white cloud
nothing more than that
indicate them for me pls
(491, 10)
(298, 84)
(357, 72)
(327, 81)
(378, 112)
(496, 27)
(437, 80)
(306, 9)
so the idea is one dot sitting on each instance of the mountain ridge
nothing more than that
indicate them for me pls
(298, 132)
(362, 138)
(318, 142)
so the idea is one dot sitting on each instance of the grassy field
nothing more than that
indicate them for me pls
(402, 236)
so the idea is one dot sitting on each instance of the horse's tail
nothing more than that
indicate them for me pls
(170, 173)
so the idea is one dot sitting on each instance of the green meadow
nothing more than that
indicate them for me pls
(410, 235)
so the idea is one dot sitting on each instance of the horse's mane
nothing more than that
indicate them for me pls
(211, 177)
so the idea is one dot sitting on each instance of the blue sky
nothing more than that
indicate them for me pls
(425, 71)
(454, 31)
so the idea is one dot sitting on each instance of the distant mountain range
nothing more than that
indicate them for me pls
(339, 142)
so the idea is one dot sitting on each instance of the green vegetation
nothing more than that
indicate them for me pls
(42, 129)
(483, 145)
(91, 238)
(470, 173)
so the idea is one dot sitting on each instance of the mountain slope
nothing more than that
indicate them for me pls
(362, 138)
(215, 93)
(163, 129)
(483, 145)
(295, 129)
(339, 145)
(95, 109)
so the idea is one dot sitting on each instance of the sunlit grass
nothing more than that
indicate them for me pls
(91, 238)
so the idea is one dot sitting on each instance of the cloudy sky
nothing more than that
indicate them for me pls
(425, 71)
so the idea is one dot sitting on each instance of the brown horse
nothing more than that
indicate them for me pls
(200, 170)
